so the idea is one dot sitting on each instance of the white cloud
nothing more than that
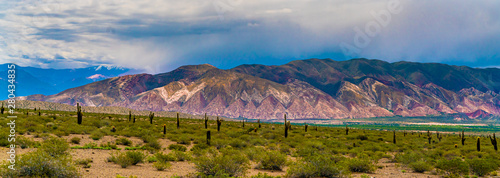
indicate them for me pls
(157, 35)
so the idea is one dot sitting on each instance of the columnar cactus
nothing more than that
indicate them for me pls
(79, 113)
(129, 116)
(208, 137)
(2, 109)
(478, 146)
(439, 136)
(178, 121)
(134, 119)
(394, 137)
(151, 116)
(494, 142)
(219, 122)
(462, 138)
(206, 121)
(258, 121)
(429, 136)
(305, 127)
(286, 128)
(346, 130)
(243, 122)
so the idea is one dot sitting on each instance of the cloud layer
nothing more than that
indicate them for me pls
(158, 35)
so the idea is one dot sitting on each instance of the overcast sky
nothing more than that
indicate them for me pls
(161, 35)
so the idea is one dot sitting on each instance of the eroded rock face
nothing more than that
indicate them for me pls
(324, 93)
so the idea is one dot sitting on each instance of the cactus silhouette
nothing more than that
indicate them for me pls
(462, 138)
(129, 116)
(478, 146)
(346, 130)
(208, 137)
(394, 137)
(79, 113)
(219, 122)
(151, 116)
(494, 142)
(206, 121)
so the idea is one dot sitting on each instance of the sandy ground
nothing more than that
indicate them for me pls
(100, 168)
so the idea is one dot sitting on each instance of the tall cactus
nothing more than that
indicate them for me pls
(478, 146)
(164, 129)
(2, 109)
(79, 113)
(286, 128)
(346, 130)
(305, 127)
(134, 119)
(151, 116)
(243, 122)
(178, 121)
(462, 138)
(494, 142)
(439, 136)
(208, 137)
(394, 136)
(429, 136)
(219, 122)
(129, 116)
(258, 121)
(206, 121)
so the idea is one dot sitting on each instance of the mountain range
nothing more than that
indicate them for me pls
(31, 80)
(303, 89)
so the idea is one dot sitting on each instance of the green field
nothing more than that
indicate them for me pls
(324, 151)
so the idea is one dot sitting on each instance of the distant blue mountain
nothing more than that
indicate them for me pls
(31, 80)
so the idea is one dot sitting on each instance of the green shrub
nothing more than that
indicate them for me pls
(181, 156)
(50, 160)
(165, 157)
(123, 141)
(272, 160)
(75, 140)
(24, 142)
(160, 166)
(481, 167)
(454, 167)
(215, 164)
(362, 137)
(420, 166)
(125, 159)
(177, 147)
(55, 147)
(360, 165)
(318, 165)
(96, 135)
(136, 156)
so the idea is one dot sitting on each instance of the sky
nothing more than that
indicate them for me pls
(161, 35)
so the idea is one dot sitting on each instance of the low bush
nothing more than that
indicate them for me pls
(481, 167)
(160, 166)
(217, 164)
(123, 141)
(177, 147)
(420, 166)
(453, 167)
(272, 160)
(324, 165)
(360, 165)
(75, 140)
